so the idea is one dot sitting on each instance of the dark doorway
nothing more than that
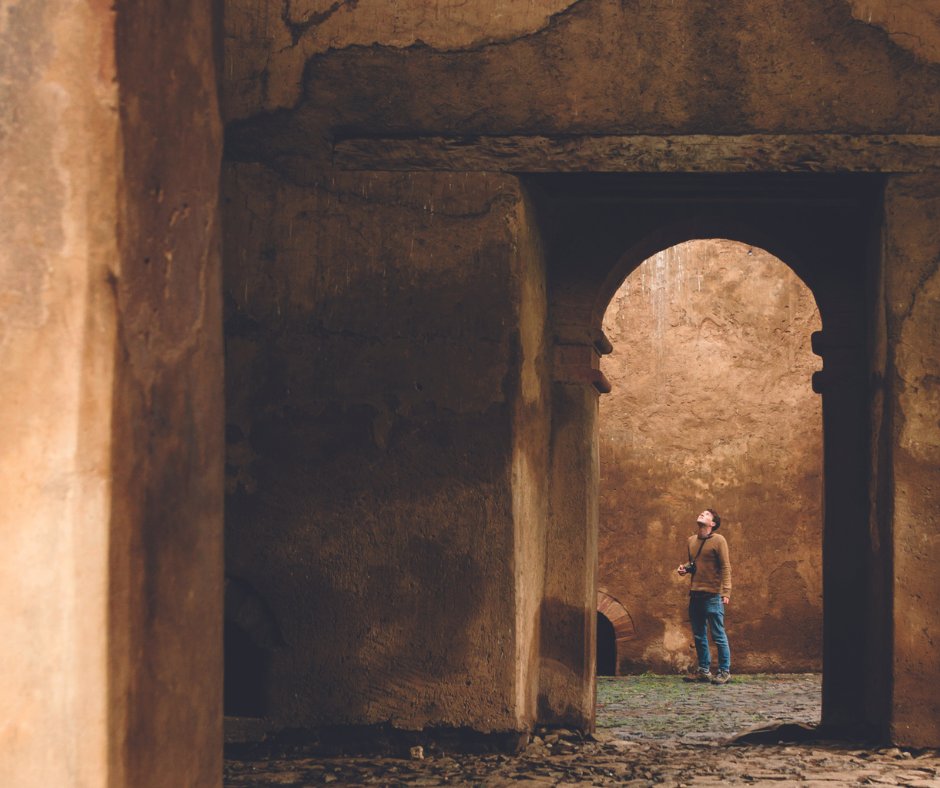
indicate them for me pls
(597, 228)
(244, 673)
(606, 647)
(251, 637)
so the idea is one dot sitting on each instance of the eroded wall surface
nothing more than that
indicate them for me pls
(910, 448)
(271, 44)
(265, 70)
(167, 463)
(530, 458)
(58, 153)
(386, 442)
(592, 66)
(712, 406)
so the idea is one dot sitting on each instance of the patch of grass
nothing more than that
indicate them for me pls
(659, 706)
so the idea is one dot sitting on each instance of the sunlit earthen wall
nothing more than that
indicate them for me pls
(110, 395)
(712, 406)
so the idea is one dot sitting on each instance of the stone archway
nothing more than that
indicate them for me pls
(606, 655)
(826, 230)
(621, 621)
(712, 405)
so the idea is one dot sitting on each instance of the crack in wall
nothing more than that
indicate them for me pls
(932, 269)
(282, 45)
(914, 27)
(402, 89)
(299, 29)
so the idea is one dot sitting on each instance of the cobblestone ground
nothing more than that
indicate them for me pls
(651, 730)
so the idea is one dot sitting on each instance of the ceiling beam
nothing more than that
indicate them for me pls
(696, 153)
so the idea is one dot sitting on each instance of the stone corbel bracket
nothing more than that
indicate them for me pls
(843, 362)
(580, 363)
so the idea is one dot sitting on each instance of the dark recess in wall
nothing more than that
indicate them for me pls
(606, 647)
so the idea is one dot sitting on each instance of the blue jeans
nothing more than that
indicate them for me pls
(706, 611)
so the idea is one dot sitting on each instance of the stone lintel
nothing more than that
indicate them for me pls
(643, 153)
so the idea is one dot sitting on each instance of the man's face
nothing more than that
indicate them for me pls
(705, 522)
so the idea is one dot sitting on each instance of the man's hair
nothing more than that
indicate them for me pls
(716, 518)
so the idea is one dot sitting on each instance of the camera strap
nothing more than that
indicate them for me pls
(691, 559)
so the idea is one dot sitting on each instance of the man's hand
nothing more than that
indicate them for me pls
(682, 570)
(726, 600)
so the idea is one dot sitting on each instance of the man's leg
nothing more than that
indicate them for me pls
(716, 622)
(699, 621)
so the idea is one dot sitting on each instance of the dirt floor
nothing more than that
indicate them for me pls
(651, 730)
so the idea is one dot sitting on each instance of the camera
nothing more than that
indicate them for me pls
(689, 567)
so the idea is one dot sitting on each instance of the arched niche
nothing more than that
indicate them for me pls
(621, 623)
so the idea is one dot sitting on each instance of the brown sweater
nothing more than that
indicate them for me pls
(713, 566)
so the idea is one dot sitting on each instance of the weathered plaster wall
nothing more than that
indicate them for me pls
(270, 43)
(166, 567)
(600, 66)
(110, 463)
(712, 406)
(566, 680)
(58, 153)
(531, 429)
(385, 376)
(912, 26)
(910, 448)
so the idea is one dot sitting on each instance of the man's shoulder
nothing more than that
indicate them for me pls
(719, 539)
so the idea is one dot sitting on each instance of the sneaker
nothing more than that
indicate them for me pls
(722, 677)
(699, 675)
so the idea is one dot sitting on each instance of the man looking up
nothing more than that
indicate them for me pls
(710, 568)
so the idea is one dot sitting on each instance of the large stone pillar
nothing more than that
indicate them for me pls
(568, 621)
(110, 396)
(58, 153)
(909, 450)
(388, 427)
(569, 617)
